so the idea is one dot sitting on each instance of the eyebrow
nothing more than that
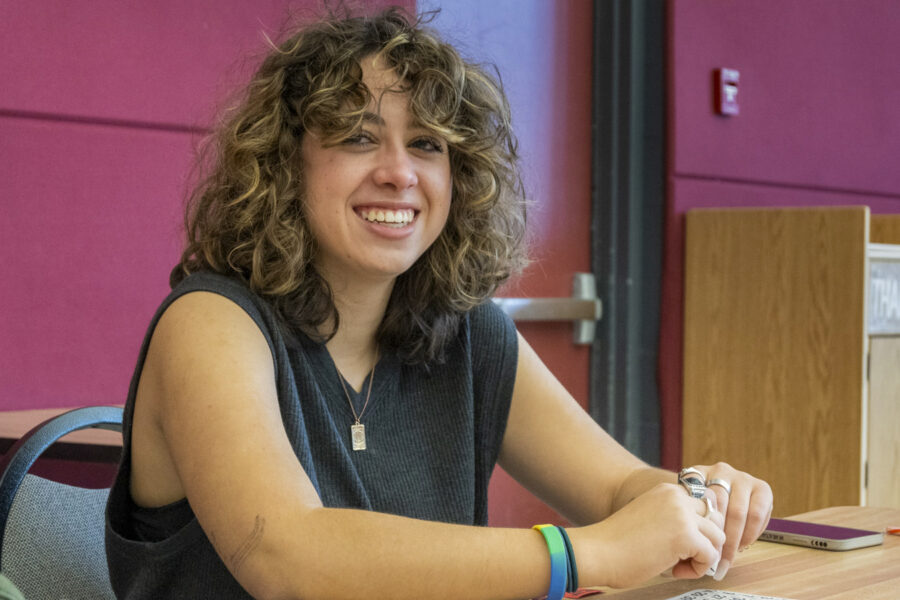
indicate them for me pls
(371, 117)
(376, 119)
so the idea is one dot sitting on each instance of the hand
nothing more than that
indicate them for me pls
(662, 528)
(747, 509)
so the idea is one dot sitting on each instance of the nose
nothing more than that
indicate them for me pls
(395, 168)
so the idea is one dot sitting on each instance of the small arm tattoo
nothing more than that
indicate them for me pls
(248, 545)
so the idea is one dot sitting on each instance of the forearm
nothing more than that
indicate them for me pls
(639, 481)
(344, 553)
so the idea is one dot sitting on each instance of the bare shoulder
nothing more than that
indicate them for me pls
(199, 318)
(202, 343)
(201, 339)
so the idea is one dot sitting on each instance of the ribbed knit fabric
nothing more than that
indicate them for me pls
(433, 439)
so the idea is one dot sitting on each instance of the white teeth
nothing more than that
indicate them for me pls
(395, 217)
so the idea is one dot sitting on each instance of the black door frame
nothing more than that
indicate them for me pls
(628, 201)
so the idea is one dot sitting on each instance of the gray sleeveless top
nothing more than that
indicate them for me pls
(433, 437)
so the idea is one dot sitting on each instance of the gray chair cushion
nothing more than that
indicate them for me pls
(53, 548)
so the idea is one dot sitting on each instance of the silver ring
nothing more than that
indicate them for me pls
(691, 470)
(693, 482)
(709, 506)
(721, 483)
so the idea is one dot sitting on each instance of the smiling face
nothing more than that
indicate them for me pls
(376, 201)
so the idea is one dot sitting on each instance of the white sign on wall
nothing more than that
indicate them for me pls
(884, 298)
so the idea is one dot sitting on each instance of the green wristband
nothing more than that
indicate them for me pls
(558, 560)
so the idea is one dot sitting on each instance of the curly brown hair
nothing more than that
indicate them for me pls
(245, 219)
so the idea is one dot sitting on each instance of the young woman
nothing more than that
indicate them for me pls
(319, 403)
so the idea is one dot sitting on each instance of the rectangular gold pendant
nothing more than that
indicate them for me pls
(358, 435)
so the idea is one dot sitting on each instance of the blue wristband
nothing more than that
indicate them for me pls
(558, 560)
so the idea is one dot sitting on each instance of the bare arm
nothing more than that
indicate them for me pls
(562, 455)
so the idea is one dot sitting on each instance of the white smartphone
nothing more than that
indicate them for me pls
(820, 537)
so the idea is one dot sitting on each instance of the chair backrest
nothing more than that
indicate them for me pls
(52, 534)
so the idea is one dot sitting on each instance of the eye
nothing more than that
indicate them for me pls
(428, 144)
(360, 138)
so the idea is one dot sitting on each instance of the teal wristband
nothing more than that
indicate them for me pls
(572, 578)
(558, 561)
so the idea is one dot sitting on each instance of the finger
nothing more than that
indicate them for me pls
(721, 495)
(688, 569)
(705, 544)
(735, 519)
(748, 540)
(696, 566)
(711, 529)
(758, 513)
(706, 505)
(704, 551)
(716, 517)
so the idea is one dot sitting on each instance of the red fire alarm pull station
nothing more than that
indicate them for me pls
(727, 91)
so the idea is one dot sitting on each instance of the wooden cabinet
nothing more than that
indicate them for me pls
(782, 377)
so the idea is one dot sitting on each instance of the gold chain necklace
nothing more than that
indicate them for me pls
(358, 430)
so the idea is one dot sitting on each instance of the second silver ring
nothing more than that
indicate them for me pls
(721, 483)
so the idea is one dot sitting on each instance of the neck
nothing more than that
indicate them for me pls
(361, 308)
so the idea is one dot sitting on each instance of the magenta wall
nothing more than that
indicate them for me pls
(819, 125)
(543, 52)
(101, 106)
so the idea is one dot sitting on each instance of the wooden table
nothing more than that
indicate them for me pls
(799, 573)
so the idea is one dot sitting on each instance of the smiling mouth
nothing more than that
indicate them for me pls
(390, 218)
